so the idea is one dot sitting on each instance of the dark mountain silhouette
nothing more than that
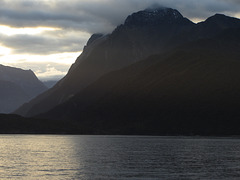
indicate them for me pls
(191, 90)
(17, 86)
(186, 81)
(144, 33)
(127, 44)
(212, 27)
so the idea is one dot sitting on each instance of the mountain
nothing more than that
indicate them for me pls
(192, 89)
(50, 83)
(11, 96)
(17, 86)
(211, 27)
(158, 73)
(128, 43)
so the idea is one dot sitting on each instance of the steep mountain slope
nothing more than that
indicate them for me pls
(11, 96)
(192, 90)
(128, 43)
(17, 86)
(144, 33)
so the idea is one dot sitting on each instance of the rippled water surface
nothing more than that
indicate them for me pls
(118, 157)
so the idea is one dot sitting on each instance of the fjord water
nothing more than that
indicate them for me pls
(118, 157)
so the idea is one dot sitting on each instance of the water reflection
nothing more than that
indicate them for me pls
(118, 157)
(36, 156)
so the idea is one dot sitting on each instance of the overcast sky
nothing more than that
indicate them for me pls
(48, 35)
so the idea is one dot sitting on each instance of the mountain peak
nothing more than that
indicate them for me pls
(223, 21)
(153, 16)
(162, 11)
(218, 17)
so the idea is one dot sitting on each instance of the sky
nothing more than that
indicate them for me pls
(48, 35)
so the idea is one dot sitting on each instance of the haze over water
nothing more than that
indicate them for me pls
(118, 157)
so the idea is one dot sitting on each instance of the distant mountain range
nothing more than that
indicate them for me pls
(158, 73)
(50, 83)
(17, 86)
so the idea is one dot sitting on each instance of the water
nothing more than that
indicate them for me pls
(118, 157)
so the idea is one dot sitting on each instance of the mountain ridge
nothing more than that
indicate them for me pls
(121, 48)
(125, 46)
(17, 87)
(186, 91)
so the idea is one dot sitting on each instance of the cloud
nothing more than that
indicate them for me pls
(75, 17)
(52, 66)
(74, 21)
(47, 43)
(95, 15)
(50, 72)
(45, 71)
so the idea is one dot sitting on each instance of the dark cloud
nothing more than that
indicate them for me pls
(89, 16)
(64, 14)
(101, 15)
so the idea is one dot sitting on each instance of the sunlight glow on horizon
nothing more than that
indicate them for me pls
(45, 66)
(50, 72)
(41, 65)
(237, 15)
(38, 63)
(4, 51)
(7, 30)
(62, 58)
